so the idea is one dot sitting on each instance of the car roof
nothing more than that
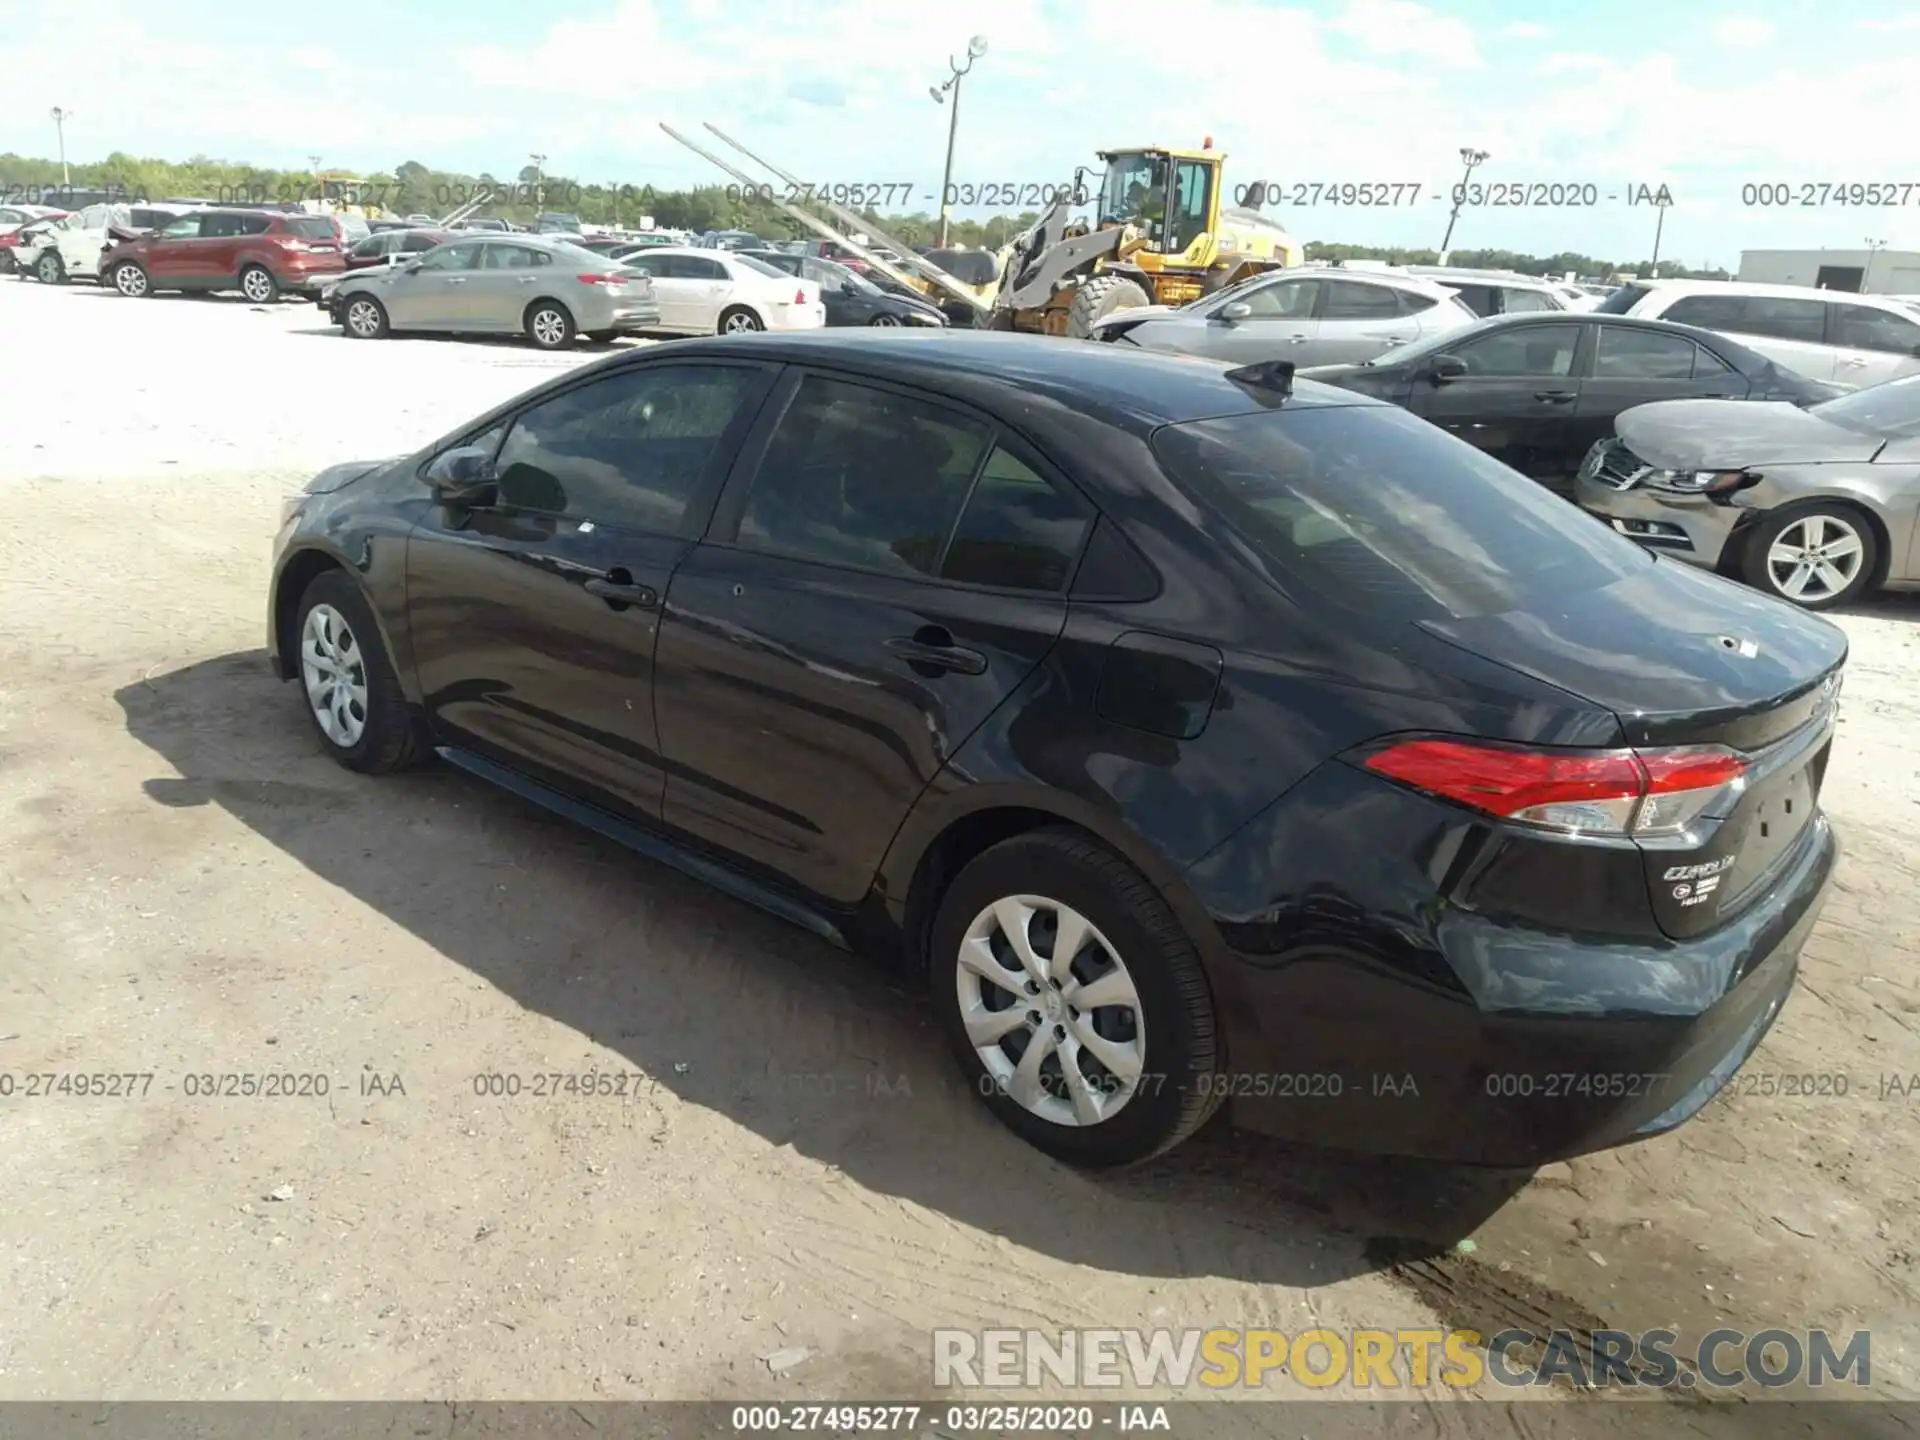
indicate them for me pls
(1397, 279)
(1770, 292)
(1135, 389)
(1712, 338)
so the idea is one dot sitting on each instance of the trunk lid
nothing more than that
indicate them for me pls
(1716, 435)
(1682, 658)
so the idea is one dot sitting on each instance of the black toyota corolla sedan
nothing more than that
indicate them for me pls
(1199, 736)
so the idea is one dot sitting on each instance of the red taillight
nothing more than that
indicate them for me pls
(1609, 792)
(598, 279)
(799, 297)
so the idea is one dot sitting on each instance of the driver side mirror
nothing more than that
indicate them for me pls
(1445, 368)
(1238, 310)
(463, 476)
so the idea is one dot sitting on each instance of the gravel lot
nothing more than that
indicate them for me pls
(187, 886)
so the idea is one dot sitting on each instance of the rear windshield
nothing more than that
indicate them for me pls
(1623, 300)
(1372, 508)
(312, 227)
(760, 267)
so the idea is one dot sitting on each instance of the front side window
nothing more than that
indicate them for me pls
(1192, 195)
(628, 450)
(1525, 350)
(863, 477)
(1282, 300)
(1135, 189)
(185, 229)
(1513, 302)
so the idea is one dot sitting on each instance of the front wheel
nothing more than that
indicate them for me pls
(130, 280)
(50, 269)
(353, 697)
(258, 285)
(364, 318)
(1075, 1003)
(1099, 297)
(1815, 557)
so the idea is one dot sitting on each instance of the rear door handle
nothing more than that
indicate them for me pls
(942, 654)
(616, 592)
(1854, 364)
(1554, 397)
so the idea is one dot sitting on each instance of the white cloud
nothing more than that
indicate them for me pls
(1745, 30)
(1401, 27)
(1525, 30)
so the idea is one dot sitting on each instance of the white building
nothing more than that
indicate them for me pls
(1869, 272)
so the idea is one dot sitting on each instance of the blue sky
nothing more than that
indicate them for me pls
(1702, 97)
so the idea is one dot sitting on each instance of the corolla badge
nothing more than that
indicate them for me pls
(1745, 649)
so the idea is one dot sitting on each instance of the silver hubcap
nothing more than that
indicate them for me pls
(1815, 558)
(1051, 1010)
(549, 328)
(740, 324)
(335, 674)
(256, 286)
(363, 318)
(133, 280)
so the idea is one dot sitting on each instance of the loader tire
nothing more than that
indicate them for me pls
(1098, 298)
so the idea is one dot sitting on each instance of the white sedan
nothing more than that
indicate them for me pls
(709, 292)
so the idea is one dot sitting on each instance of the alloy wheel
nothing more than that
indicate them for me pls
(363, 318)
(1815, 558)
(1051, 1010)
(334, 672)
(549, 328)
(257, 286)
(740, 323)
(131, 281)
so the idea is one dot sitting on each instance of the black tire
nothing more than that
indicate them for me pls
(391, 738)
(131, 280)
(603, 337)
(50, 269)
(1099, 297)
(887, 322)
(258, 285)
(368, 308)
(1757, 569)
(738, 320)
(1175, 1010)
(549, 325)
(6, 262)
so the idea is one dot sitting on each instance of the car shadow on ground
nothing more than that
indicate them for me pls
(733, 1010)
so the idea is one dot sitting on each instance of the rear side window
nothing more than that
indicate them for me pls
(1477, 298)
(1627, 354)
(1412, 302)
(1372, 508)
(863, 477)
(1019, 531)
(1861, 327)
(1512, 302)
(627, 450)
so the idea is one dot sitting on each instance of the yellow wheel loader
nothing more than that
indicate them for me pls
(1160, 234)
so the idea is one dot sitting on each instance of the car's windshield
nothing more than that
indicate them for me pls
(1376, 510)
(1891, 410)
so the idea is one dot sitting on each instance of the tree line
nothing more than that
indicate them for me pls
(415, 188)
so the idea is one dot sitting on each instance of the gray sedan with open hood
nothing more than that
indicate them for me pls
(1816, 506)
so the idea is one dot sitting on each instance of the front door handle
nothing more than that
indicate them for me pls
(619, 592)
(1854, 364)
(1555, 397)
(934, 647)
(528, 279)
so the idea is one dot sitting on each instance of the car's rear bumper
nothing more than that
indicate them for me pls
(796, 317)
(1487, 1041)
(1687, 527)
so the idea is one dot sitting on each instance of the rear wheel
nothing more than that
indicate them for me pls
(364, 318)
(1098, 298)
(50, 269)
(1815, 557)
(739, 321)
(549, 325)
(130, 280)
(1074, 1001)
(258, 285)
(885, 321)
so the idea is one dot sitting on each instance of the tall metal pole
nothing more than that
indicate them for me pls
(1470, 158)
(1659, 225)
(60, 118)
(319, 189)
(539, 184)
(976, 47)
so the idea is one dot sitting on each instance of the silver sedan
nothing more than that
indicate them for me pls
(1307, 316)
(543, 288)
(1816, 506)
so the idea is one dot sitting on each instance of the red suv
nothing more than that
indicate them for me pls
(257, 252)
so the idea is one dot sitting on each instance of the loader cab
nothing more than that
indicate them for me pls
(1173, 195)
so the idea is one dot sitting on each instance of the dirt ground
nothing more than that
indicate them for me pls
(189, 887)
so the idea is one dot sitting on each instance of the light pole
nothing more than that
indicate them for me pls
(976, 47)
(319, 189)
(60, 118)
(1471, 158)
(1659, 226)
(1874, 247)
(539, 183)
